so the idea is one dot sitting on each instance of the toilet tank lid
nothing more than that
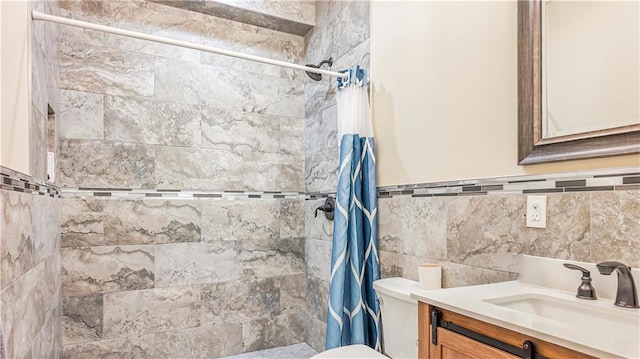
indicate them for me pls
(400, 288)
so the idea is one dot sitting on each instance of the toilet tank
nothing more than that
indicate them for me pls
(399, 316)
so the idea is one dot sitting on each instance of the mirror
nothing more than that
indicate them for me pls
(578, 79)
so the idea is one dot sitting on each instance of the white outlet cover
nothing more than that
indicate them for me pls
(537, 211)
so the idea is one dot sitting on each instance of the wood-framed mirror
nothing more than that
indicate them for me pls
(535, 144)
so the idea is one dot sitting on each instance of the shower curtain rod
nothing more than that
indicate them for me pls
(36, 15)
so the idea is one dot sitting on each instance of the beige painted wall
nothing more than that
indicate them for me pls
(444, 93)
(15, 78)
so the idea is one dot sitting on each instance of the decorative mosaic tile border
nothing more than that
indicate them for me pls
(619, 179)
(317, 195)
(129, 193)
(19, 182)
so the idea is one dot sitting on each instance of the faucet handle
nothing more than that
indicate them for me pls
(585, 290)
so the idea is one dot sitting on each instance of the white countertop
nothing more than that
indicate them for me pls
(593, 340)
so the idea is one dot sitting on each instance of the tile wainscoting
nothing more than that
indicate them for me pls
(255, 267)
(30, 264)
(476, 229)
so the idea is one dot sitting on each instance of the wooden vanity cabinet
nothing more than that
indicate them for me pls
(468, 338)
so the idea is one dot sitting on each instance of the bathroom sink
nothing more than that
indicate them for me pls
(578, 313)
(542, 304)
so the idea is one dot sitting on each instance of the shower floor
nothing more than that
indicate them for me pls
(296, 351)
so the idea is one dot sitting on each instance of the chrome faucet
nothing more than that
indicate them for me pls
(627, 296)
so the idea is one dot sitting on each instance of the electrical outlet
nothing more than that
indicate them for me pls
(537, 211)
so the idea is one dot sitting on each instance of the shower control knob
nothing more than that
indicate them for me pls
(328, 208)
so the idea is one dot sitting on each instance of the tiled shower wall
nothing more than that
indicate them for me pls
(29, 236)
(196, 278)
(162, 255)
(341, 32)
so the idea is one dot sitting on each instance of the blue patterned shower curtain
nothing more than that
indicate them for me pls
(354, 314)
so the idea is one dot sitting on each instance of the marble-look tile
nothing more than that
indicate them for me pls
(82, 318)
(486, 231)
(51, 37)
(239, 130)
(51, 283)
(317, 227)
(321, 130)
(391, 264)
(83, 36)
(151, 122)
(106, 164)
(139, 312)
(319, 95)
(91, 222)
(458, 275)
(414, 226)
(318, 258)
(98, 70)
(265, 333)
(292, 136)
(260, 43)
(285, 16)
(316, 334)
(615, 227)
(152, 48)
(270, 263)
(46, 227)
(317, 298)
(321, 170)
(17, 236)
(81, 115)
(38, 144)
(340, 26)
(195, 263)
(121, 348)
(340, 39)
(273, 172)
(107, 269)
(252, 220)
(39, 69)
(48, 342)
(359, 55)
(240, 301)
(292, 218)
(298, 11)
(294, 351)
(226, 88)
(82, 222)
(293, 293)
(22, 312)
(293, 247)
(202, 343)
(205, 169)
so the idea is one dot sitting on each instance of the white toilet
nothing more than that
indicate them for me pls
(399, 324)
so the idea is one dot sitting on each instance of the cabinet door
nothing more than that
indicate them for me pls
(455, 346)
